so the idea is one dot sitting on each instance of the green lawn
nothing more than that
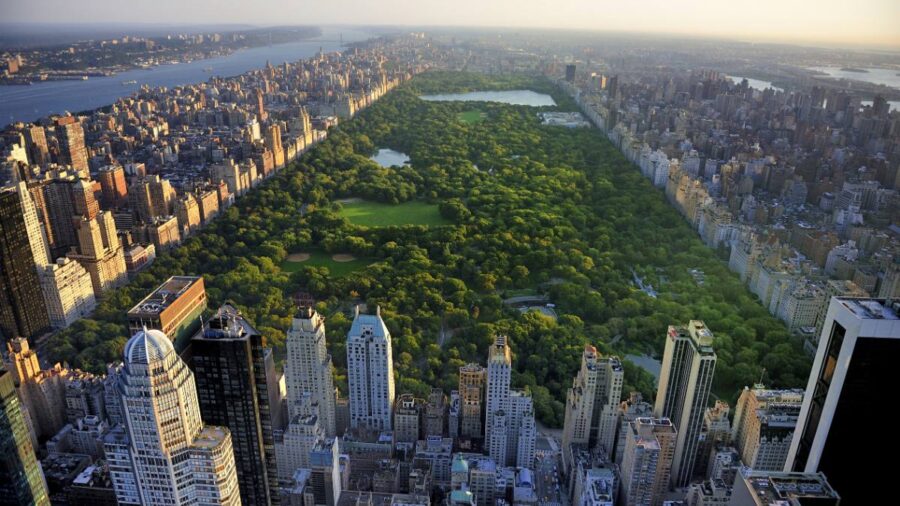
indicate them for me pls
(318, 258)
(376, 214)
(472, 117)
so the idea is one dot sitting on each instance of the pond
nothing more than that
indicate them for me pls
(646, 363)
(390, 158)
(512, 97)
(756, 84)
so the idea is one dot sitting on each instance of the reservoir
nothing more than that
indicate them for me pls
(756, 84)
(886, 77)
(28, 103)
(512, 97)
(390, 158)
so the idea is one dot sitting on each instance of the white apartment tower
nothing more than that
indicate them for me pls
(683, 392)
(647, 461)
(163, 455)
(592, 404)
(499, 375)
(307, 367)
(370, 372)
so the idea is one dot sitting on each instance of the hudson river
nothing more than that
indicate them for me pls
(28, 103)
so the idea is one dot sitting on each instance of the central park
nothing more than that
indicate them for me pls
(491, 205)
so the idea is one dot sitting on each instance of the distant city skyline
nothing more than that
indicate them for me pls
(869, 23)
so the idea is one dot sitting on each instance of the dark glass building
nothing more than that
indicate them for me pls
(22, 309)
(21, 478)
(231, 362)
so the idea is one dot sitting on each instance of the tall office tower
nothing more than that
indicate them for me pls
(683, 392)
(307, 367)
(647, 461)
(163, 454)
(260, 107)
(471, 396)
(407, 418)
(36, 144)
(499, 374)
(42, 392)
(370, 371)
(592, 404)
(765, 488)
(68, 292)
(72, 150)
(764, 424)
(37, 239)
(174, 308)
(86, 204)
(855, 362)
(570, 73)
(273, 143)
(22, 310)
(435, 422)
(59, 198)
(21, 478)
(101, 252)
(228, 359)
(113, 187)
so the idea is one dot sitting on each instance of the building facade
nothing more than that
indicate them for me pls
(370, 372)
(307, 367)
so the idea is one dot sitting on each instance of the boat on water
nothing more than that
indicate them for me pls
(207, 69)
(126, 83)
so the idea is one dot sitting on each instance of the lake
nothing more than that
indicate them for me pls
(28, 103)
(886, 77)
(646, 363)
(756, 84)
(390, 158)
(512, 97)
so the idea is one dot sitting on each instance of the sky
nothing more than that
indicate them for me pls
(831, 22)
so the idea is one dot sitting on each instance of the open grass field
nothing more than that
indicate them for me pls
(472, 117)
(338, 264)
(376, 214)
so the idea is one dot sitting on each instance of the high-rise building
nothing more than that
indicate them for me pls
(570, 73)
(37, 238)
(72, 150)
(101, 252)
(42, 392)
(683, 393)
(764, 424)
(499, 375)
(522, 431)
(22, 309)
(36, 144)
(68, 291)
(85, 202)
(407, 418)
(187, 211)
(716, 432)
(229, 363)
(293, 446)
(151, 197)
(163, 454)
(21, 478)
(765, 488)
(647, 461)
(630, 410)
(307, 367)
(113, 187)
(273, 143)
(855, 362)
(435, 419)
(370, 372)
(592, 404)
(59, 199)
(174, 308)
(471, 396)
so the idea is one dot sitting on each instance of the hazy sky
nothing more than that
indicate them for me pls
(865, 22)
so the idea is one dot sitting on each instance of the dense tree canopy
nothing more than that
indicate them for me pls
(534, 209)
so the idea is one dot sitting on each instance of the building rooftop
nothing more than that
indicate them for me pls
(775, 488)
(227, 324)
(211, 437)
(368, 326)
(870, 309)
(164, 295)
(147, 346)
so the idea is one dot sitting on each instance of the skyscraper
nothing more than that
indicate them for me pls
(592, 404)
(855, 363)
(370, 372)
(21, 478)
(273, 143)
(72, 150)
(68, 291)
(101, 252)
(228, 358)
(22, 309)
(307, 367)
(163, 454)
(114, 189)
(647, 461)
(683, 392)
(36, 144)
(37, 239)
(764, 424)
(499, 374)
(42, 392)
(471, 395)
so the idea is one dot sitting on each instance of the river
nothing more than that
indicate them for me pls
(28, 103)
(886, 77)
